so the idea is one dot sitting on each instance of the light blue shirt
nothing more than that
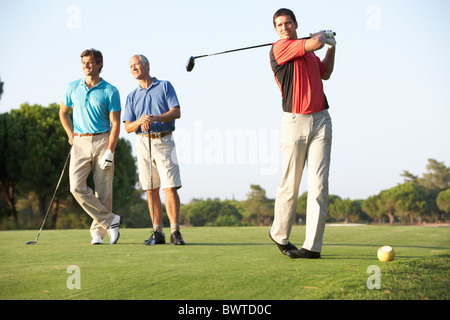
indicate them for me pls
(159, 98)
(91, 107)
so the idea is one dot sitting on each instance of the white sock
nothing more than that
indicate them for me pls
(174, 227)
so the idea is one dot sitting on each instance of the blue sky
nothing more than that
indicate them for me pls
(388, 93)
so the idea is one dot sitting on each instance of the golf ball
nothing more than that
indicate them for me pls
(386, 253)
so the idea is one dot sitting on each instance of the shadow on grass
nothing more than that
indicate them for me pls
(224, 244)
(378, 245)
(228, 244)
(272, 244)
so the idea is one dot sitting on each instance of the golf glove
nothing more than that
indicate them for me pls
(330, 41)
(107, 160)
(328, 33)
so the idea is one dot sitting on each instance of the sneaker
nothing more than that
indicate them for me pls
(97, 240)
(113, 230)
(156, 238)
(176, 239)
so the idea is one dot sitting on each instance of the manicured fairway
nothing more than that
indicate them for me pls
(226, 263)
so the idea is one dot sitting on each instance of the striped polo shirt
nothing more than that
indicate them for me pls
(299, 77)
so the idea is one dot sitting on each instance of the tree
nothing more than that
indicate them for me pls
(43, 154)
(211, 212)
(11, 145)
(302, 203)
(437, 177)
(435, 180)
(6, 182)
(386, 203)
(412, 200)
(347, 209)
(1, 89)
(125, 176)
(259, 206)
(333, 202)
(228, 215)
(135, 211)
(443, 201)
(199, 211)
(371, 208)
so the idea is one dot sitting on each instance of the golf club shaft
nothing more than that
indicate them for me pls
(151, 176)
(54, 194)
(191, 62)
(234, 50)
(240, 49)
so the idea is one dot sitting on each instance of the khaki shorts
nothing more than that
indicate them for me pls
(166, 171)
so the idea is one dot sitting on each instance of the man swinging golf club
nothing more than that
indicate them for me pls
(151, 109)
(306, 132)
(93, 136)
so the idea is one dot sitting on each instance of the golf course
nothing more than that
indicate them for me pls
(227, 263)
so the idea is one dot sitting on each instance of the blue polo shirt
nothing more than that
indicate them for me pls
(91, 107)
(159, 98)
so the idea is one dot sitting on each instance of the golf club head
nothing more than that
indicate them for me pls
(190, 64)
(30, 242)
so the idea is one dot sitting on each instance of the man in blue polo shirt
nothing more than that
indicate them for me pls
(152, 108)
(93, 136)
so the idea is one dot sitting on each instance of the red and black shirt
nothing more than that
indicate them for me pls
(299, 76)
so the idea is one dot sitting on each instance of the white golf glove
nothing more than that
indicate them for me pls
(107, 160)
(330, 41)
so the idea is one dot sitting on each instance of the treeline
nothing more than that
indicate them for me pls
(417, 200)
(34, 146)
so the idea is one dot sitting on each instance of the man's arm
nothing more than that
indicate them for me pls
(170, 115)
(316, 42)
(66, 122)
(146, 120)
(114, 118)
(133, 126)
(328, 61)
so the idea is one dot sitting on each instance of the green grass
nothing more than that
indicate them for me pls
(227, 263)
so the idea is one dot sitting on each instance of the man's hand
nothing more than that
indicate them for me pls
(330, 40)
(328, 33)
(107, 160)
(146, 121)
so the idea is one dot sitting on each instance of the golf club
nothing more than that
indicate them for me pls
(191, 62)
(152, 239)
(51, 202)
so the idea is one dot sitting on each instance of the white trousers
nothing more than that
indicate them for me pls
(305, 139)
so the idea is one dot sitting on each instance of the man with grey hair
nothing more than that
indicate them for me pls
(152, 109)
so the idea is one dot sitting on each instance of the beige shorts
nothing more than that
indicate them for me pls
(166, 171)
